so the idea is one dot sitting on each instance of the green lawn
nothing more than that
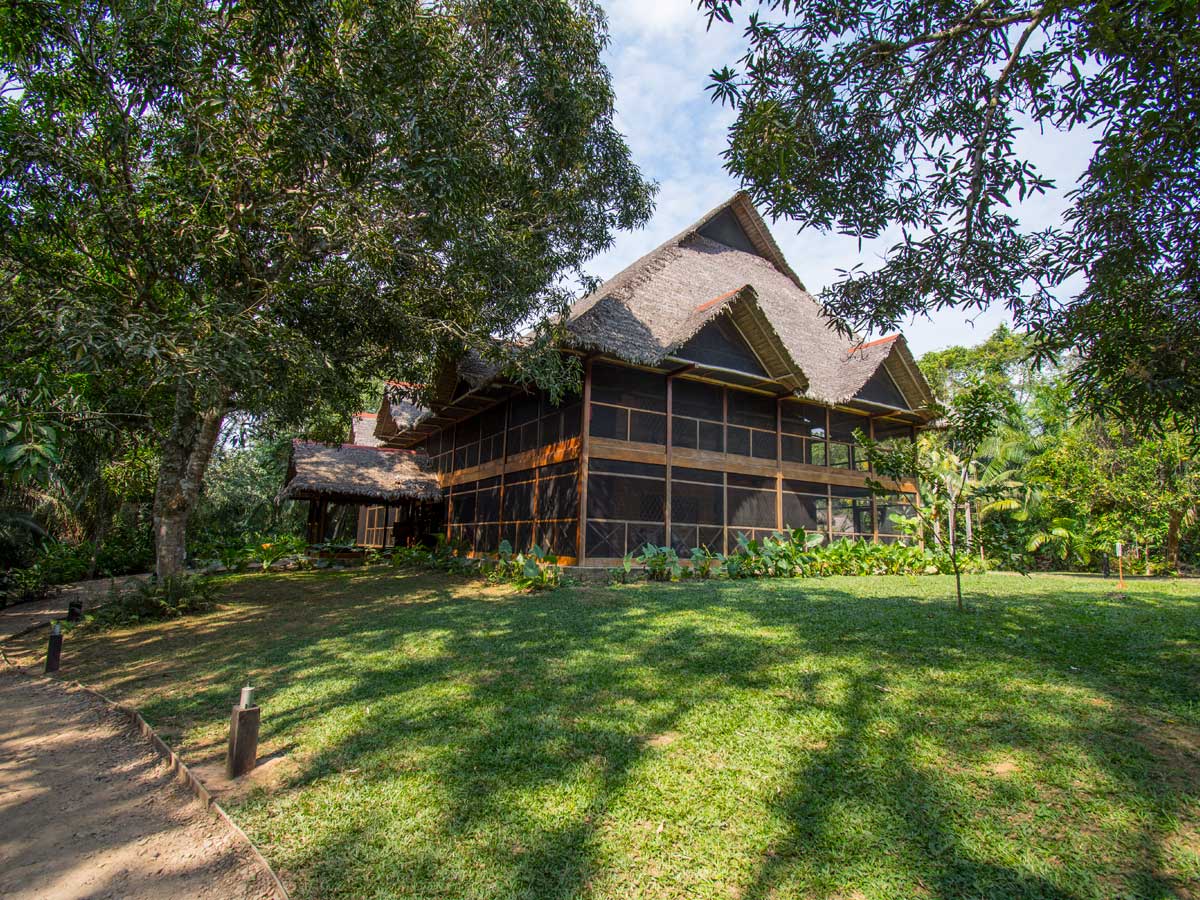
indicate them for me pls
(836, 738)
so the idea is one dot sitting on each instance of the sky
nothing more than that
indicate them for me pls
(660, 59)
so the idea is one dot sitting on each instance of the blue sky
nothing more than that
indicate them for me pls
(660, 59)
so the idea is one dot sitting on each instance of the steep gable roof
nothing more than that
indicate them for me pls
(647, 311)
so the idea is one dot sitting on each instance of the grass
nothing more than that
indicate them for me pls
(835, 738)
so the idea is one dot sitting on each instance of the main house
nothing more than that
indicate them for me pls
(716, 400)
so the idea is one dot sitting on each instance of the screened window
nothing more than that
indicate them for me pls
(751, 426)
(844, 453)
(891, 431)
(626, 507)
(890, 505)
(376, 526)
(751, 501)
(628, 405)
(850, 512)
(805, 505)
(697, 510)
(803, 438)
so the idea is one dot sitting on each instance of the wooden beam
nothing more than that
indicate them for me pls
(667, 505)
(585, 427)
(779, 464)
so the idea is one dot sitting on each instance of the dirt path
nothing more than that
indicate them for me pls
(23, 615)
(89, 810)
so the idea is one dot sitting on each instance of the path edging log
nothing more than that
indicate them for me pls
(178, 768)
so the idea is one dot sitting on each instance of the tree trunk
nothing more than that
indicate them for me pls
(185, 454)
(951, 532)
(1173, 526)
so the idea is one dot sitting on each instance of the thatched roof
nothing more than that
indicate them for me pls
(725, 264)
(356, 473)
(362, 430)
(646, 312)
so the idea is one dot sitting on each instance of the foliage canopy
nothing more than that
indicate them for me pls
(861, 116)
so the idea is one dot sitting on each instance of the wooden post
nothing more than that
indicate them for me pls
(54, 648)
(243, 736)
(725, 473)
(874, 501)
(779, 464)
(585, 427)
(667, 542)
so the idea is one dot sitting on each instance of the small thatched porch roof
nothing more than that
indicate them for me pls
(353, 473)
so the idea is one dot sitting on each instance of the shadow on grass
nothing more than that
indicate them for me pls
(461, 742)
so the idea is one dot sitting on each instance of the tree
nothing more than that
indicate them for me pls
(946, 470)
(863, 115)
(263, 206)
(1002, 360)
(1122, 484)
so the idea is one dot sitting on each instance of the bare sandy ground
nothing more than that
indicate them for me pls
(89, 810)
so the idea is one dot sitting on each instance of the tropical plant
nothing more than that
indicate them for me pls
(268, 550)
(535, 570)
(946, 469)
(706, 563)
(1066, 538)
(660, 563)
(157, 598)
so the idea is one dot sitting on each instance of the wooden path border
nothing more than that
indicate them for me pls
(178, 768)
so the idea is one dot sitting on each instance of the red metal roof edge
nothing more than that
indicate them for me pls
(874, 343)
(711, 303)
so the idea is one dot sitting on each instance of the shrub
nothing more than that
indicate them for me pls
(157, 599)
(535, 570)
(268, 549)
(22, 585)
(661, 563)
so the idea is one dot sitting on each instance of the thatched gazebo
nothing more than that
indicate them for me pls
(396, 491)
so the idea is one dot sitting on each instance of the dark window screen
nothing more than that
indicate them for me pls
(843, 424)
(518, 502)
(684, 433)
(605, 539)
(737, 441)
(621, 467)
(712, 437)
(802, 418)
(751, 508)
(719, 343)
(487, 505)
(880, 388)
(610, 422)
(763, 444)
(697, 503)
(621, 497)
(557, 537)
(804, 511)
(558, 496)
(753, 410)
(648, 428)
(697, 400)
(886, 430)
(703, 476)
(629, 387)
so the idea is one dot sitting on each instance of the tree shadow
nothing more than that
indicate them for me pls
(456, 742)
